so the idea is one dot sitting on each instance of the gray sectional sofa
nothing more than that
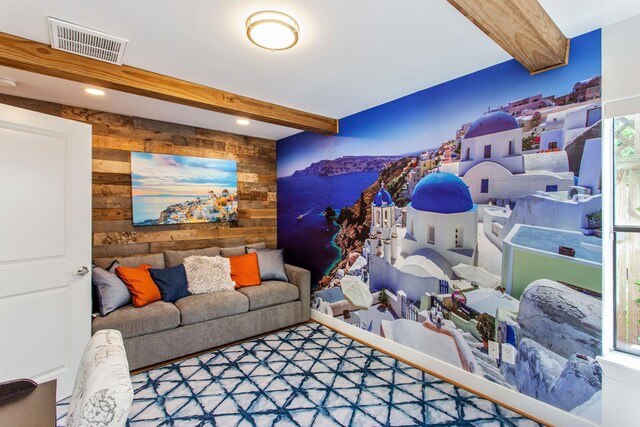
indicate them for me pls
(163, 331)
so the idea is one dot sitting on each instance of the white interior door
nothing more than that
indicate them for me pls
(45, 237)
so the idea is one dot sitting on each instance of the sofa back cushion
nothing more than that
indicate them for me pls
(154, 260)
(111, 292)
(271, 264)
(173, 258)
(241, 250)
(172, 282)
(142, 287)
(208, 274)
(244, 270)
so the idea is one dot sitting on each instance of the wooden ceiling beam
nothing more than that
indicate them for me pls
(28, 55)
(522, 28)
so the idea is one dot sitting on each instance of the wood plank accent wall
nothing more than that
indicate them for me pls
(115, 136)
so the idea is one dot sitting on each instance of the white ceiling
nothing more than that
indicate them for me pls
(352, 55)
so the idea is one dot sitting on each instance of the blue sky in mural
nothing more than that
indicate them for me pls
(425, 119)
(163, 175)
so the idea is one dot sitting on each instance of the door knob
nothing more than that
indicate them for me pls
(81, 271)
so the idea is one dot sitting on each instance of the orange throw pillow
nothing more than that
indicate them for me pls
(139, 282)
(244, 270)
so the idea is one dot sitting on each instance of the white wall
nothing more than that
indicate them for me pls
(620, 81)
(504, 185)
(621, 60)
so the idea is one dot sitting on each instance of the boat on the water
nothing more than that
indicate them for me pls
(300, 217)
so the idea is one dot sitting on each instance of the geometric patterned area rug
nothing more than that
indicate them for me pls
(308, 375)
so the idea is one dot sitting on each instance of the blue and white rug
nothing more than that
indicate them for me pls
(305, 376)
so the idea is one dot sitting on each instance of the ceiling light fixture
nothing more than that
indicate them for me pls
(272, 30)
(94, 91)
(242, 122)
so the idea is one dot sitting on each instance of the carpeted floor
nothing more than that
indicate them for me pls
(304, 376)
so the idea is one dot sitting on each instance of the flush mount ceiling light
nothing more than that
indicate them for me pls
(272, 30)
(94, 91)
(242, 122)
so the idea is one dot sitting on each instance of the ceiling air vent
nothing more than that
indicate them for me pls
(86, 42)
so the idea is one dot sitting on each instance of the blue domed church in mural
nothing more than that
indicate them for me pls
(442, 217)
(383, 235)
(494, 166)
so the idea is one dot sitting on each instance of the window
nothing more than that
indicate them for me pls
(512, 148)
(626, 228)
(551, 188)
(459, 241)
(487, 151)
(552, 145)
(431, 234)
(484, 185)
(468, 156)
(594, 115)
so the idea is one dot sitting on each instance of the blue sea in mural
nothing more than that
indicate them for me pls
(309, 196)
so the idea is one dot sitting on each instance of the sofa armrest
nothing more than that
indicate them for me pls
(302, 279)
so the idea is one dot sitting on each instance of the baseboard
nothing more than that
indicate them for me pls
(517, 402)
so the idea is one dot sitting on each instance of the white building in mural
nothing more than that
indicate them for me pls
(553, 210)
(442, 217)
(383, 235)
(493, 166)
(565, 125)
(412, 180)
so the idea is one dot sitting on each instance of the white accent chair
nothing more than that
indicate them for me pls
(103, 393)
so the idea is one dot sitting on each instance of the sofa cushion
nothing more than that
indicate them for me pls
(111, 292)
(143, 289)
(172, 282)
(244, 270)
(208, 274)
(132, 322)
(241, 250)
(173, 258)
(271, 292)
(271, 263)
(154, 260)
(202, 307)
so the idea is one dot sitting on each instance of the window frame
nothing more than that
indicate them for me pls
(487, 146)
(483, 189)
(616, 229)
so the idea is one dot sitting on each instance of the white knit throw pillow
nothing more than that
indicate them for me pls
(208, 274)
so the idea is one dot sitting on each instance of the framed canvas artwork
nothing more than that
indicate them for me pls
(168, 189)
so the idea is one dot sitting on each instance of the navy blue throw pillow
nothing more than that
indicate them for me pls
(172, 282)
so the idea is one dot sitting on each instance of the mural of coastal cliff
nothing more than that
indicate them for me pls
(169, 189)
(465, 213)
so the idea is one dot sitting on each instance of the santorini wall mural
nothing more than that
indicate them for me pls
(465, 213)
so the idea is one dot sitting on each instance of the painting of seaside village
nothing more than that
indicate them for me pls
(461, 215)
(169, 189)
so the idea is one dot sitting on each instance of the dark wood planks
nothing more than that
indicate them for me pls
(115, 136)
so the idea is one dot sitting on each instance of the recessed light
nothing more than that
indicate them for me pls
(94, 91)
(272, 30)
(242, 122)
(7, 82)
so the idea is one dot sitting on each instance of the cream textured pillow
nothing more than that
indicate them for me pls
(208, 274)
